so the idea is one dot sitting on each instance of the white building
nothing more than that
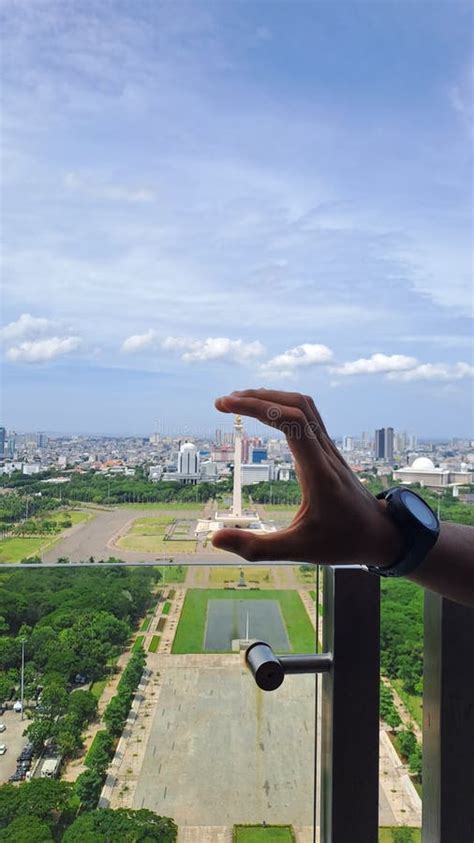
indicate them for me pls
(255, 473)
(348, 444)
(155, 473)
(423, 471)
(188, 465)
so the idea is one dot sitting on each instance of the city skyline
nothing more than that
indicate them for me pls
(205, 197)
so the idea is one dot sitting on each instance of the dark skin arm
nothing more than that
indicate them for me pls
(338, 521)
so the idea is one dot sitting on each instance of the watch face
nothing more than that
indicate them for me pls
(419, 509)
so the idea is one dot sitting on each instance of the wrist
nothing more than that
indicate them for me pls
(388, 540)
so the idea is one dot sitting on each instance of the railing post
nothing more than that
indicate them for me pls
(448, 722)
(350, 707)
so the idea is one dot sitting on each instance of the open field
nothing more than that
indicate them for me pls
(149, 535)
(169, 507)
(16, 548)
(192, 624)
(219, 576)
(258, 834)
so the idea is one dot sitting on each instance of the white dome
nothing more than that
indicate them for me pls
(422, 464)
(187, 446)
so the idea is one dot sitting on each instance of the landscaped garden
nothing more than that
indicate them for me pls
(191, 630)
(218, 577)
(150, 535)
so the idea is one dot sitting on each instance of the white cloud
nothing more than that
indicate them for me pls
(213, 348)
(376, 364)
(308, 354)
(25, 326)
(138, 342)
(435, 372)
(40, 351)
(95, 187)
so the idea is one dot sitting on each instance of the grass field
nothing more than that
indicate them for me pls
(97, 688)
(148, 534)
(154, 644)
(386, 836)
(190, 632)
(413, 703)
(145, 624)
(218, 576)
(166, 608)
(172, 573)
(138, 642)
(258, 834)
(17, 548)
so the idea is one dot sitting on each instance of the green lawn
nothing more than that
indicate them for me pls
(190, 632)
(97, 688)
(154, 644)
(16, 549)
(166, 608)
(258, 834)
(145, 624)
(154, 544)
(172, 573)
(138, 642)
(385, 835)
(413, 703)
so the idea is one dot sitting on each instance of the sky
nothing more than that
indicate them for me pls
(206, 196)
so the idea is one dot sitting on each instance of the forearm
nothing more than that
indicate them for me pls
(449, 566)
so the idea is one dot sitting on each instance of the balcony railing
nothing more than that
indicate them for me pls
(337, 746)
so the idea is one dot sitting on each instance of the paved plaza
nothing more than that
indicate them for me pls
(220, 751)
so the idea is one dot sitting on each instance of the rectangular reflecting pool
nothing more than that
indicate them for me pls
(230, 620)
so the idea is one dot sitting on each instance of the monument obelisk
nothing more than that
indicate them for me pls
(237, 488)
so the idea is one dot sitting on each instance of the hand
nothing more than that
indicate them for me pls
(338, 521)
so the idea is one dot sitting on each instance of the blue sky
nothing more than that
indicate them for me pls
(203, 196)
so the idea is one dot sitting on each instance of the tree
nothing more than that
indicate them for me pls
(116, 713)
(9, 802)
(43, 796)
(407, 741)
(124, 824)
(25, 829)
(82, 706)
(100, 753)
(88, 787)
(39, 731)
(415, 761)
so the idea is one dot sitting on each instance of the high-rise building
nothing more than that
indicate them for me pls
(3, 434)
(41, 440)
(380, 444)
(389, 444)
(384, 444)
(348, 443)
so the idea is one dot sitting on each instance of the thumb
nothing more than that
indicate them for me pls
(271, 546)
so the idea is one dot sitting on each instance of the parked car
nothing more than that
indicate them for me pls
(17, 706)
(3, 749)
(2, 727)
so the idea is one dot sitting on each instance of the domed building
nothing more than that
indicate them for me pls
(423, 471)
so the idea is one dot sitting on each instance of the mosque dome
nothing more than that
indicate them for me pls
(422, 464)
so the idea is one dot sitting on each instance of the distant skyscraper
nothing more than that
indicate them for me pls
(2, 441)
(348, 443)
(41, 440)
(389, 444)
(384, 444)
(380, 444)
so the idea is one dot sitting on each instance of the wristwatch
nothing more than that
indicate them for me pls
(418, 525)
